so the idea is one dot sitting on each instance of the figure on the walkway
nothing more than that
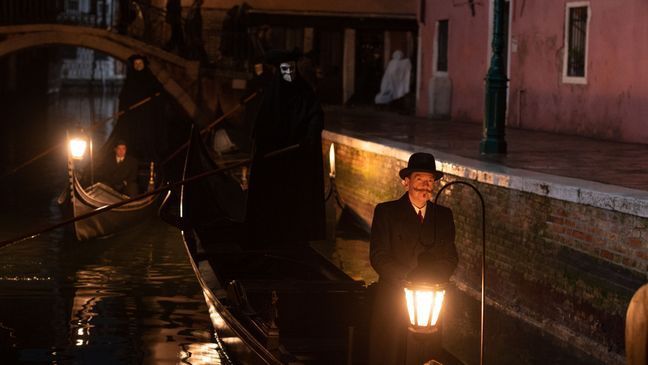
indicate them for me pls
(396, 80)
(120, 172)
(286, 192)
(142, 127)
(400, 231)
(636, 331)
(174, 19)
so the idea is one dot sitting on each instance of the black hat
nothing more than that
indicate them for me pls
(421, 162)
(278, 56)
(119, 142)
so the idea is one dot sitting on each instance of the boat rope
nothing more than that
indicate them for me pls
(92, 127)
(163, 188)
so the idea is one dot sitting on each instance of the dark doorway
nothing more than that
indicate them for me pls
(369, 65)
(328, 44)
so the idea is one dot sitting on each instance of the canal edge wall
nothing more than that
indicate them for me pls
(563, 254)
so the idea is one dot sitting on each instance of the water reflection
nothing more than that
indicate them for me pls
(201, 354)
(128, 299)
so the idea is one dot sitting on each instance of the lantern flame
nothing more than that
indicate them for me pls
(332, 160)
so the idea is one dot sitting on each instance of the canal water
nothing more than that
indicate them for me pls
(128, 299)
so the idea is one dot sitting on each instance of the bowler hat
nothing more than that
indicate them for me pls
(421, 162)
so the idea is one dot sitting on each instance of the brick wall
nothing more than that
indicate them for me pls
(568, 268)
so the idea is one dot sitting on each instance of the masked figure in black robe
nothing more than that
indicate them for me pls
(142, 128)
(286, 193)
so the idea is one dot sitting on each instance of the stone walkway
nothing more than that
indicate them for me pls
(620, 164)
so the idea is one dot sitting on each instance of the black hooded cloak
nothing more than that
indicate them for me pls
(142, 128)
(286, 192)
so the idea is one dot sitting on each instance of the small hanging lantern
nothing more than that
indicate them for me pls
(77, 145)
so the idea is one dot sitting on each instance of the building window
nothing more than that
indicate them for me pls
(73, 5)
(576, 32)
(442, 46)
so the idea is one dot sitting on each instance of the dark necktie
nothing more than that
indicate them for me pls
(420, 216)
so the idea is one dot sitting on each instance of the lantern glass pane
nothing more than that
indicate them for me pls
(438, 303)
(424, 303)
(409, 297)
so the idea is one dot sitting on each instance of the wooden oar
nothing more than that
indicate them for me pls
(92, 127)
(211, 126)
(168, 186)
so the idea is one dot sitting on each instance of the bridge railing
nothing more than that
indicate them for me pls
(14, 12)
(164, 27)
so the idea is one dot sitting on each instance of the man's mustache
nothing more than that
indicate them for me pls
(423, 190)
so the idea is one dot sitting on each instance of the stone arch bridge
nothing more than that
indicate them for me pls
(178, 76)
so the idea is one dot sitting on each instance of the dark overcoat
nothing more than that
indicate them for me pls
(397, 238)
(120, 176)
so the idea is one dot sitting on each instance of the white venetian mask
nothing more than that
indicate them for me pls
(287, 71)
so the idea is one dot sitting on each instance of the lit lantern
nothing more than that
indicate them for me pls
(424, 302)
(77, 147)
(424, 293)
(332, 161)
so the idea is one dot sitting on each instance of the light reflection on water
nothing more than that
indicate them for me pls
(128, 299)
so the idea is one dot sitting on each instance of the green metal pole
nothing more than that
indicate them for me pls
(496, 84)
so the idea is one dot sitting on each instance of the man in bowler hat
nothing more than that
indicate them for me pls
(401, 230)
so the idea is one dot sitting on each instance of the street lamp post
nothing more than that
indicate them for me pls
(493, 141)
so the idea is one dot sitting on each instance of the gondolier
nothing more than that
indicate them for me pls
(289, 114)
(120, 172)
(400, 231)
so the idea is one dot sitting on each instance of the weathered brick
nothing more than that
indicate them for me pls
(553, 262)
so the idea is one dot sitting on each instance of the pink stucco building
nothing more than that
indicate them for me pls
(575, 67)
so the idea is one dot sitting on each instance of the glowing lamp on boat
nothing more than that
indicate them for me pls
(332, 161)
(424, 293)
(77, 147)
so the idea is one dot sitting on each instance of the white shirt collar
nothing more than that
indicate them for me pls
(416, 209)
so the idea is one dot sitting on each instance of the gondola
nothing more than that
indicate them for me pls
(86, 199)
(269, 305)
(115, 220)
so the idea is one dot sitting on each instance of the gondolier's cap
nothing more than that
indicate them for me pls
(421, 162)
(278, 56)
